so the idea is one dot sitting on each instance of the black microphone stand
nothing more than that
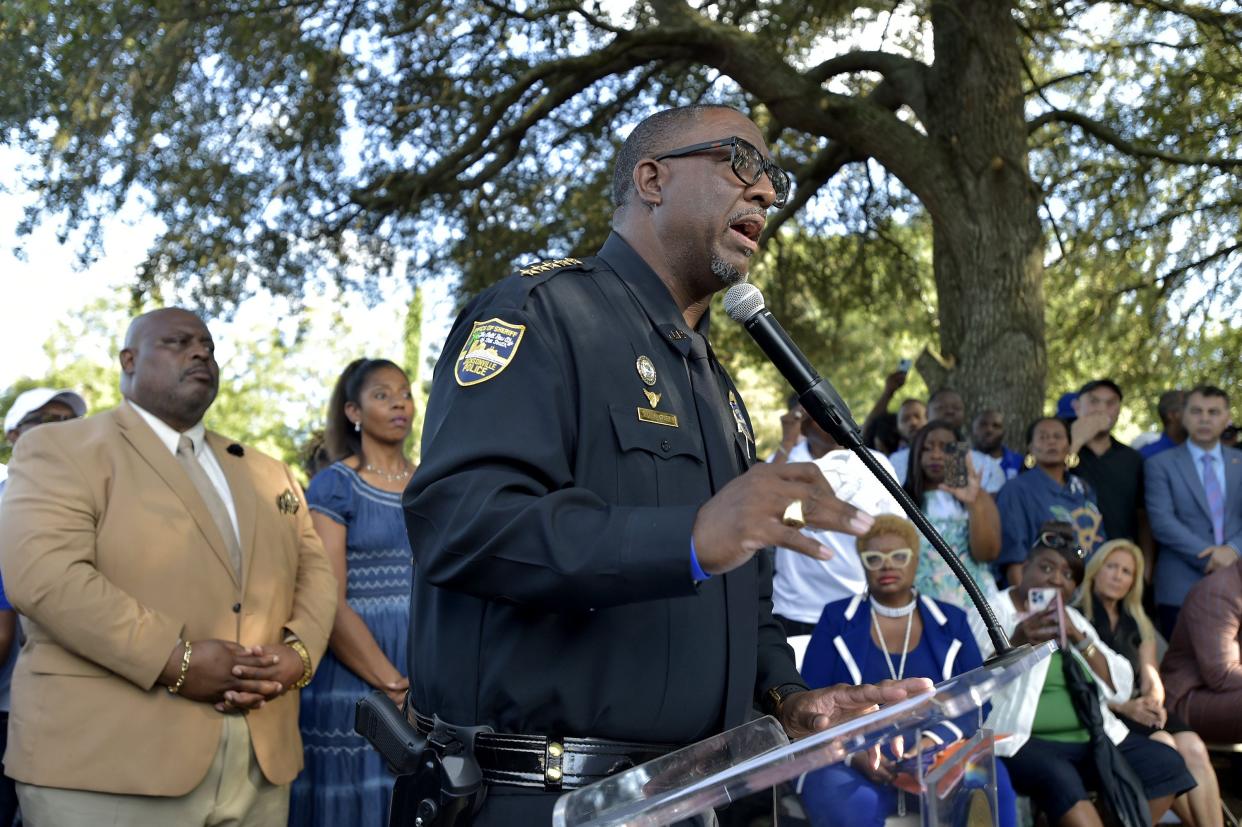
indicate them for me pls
(818, 403)
(822, 402)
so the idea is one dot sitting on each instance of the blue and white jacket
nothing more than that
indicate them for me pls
(841, 648)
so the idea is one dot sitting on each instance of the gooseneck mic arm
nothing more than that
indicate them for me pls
(744, 304)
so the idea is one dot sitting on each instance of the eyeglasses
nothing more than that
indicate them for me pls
(43, 419)
(898, 558)
(747, 163)
(1054, 540)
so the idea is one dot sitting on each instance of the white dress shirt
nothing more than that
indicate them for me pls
(804, 585)
(202, 452)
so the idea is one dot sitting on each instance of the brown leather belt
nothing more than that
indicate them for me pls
(551, 764)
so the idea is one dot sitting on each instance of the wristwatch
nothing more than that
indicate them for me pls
(775, 697)
(307, 671)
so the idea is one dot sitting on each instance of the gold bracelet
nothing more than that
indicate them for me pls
(185, 670)
(307, 672)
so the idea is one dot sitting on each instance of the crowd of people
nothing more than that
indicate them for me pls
(579, 564)
(1080, 513)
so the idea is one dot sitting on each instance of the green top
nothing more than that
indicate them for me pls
(1055, 718)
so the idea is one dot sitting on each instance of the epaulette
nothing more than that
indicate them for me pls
(542, 267)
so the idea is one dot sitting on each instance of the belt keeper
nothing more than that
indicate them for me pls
(553, 769)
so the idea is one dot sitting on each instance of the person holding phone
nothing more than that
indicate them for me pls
(911, 413)
(1046, 490)
(1061, 730)
(944, 482)
(1112, 597)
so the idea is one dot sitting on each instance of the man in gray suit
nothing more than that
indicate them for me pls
(1194, 503)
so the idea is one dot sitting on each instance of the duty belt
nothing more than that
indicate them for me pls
(549, 763)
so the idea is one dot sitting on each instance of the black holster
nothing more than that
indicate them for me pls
(439, 781)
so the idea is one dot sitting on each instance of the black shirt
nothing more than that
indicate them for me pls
(551, 518)
(1125, 640)
(1117, 478)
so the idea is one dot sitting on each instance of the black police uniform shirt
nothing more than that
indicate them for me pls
(563, 464)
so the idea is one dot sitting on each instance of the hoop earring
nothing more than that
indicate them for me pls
(1028, 462)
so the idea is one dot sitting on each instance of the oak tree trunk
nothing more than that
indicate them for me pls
(988, 242)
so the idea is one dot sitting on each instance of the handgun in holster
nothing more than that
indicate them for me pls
(439, 781)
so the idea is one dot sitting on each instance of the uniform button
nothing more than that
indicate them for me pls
(236, 608)
(666, 446)
(555, 750)
(553, 774)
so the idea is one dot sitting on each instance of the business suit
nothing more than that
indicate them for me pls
(1181, 523)
(111, 554)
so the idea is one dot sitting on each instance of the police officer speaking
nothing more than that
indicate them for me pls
(592, 579)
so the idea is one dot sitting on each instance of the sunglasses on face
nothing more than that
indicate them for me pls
(747, 163)
(1053, 540)
(898, 558)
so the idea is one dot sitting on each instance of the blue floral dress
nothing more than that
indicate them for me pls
(934, 577)
(345, 782)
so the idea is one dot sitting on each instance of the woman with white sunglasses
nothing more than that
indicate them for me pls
(889, 632)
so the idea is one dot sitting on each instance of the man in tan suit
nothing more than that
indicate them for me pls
(177, 597)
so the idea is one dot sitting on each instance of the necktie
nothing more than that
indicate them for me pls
(709, 405)
(1215, 497)
(211, 498)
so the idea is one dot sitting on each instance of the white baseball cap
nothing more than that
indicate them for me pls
(36, 398)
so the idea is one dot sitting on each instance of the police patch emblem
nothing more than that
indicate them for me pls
(646, 370)
(489, 349)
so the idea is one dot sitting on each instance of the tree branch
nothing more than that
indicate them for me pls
(1110, 136)
(906, 76)
(827, 163)
(1200, 14)
(553, 11)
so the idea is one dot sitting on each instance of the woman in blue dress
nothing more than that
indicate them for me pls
(890, 632)
(1046, 490)
(356, 508)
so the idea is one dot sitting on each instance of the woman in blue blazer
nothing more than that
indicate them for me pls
(888, 633)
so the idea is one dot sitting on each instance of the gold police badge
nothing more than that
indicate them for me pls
(489, 349)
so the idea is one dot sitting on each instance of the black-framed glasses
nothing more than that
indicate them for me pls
(747, 163)
(1059, 542)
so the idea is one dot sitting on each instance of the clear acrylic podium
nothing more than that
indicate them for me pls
(958, 790)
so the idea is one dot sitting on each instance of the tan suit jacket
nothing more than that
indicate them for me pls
(110, 553)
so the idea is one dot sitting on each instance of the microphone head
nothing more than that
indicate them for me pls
(741, 301)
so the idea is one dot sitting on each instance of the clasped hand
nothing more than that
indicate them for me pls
(1144, 710)
(231, 676)
(1219, 557)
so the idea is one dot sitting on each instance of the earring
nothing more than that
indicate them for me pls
(358, 427)
(1071, 461)
(1028, 462)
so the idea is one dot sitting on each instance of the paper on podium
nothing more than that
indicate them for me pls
(758, 755)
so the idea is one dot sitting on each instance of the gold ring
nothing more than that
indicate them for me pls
(793, 515)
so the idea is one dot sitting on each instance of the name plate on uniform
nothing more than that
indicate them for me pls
(658, 417)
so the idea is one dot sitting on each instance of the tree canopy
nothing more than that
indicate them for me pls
(1040, 189)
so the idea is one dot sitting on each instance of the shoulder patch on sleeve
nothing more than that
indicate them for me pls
(489, 349)
(546, 266)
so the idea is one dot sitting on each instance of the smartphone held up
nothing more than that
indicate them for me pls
(1039, 601)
